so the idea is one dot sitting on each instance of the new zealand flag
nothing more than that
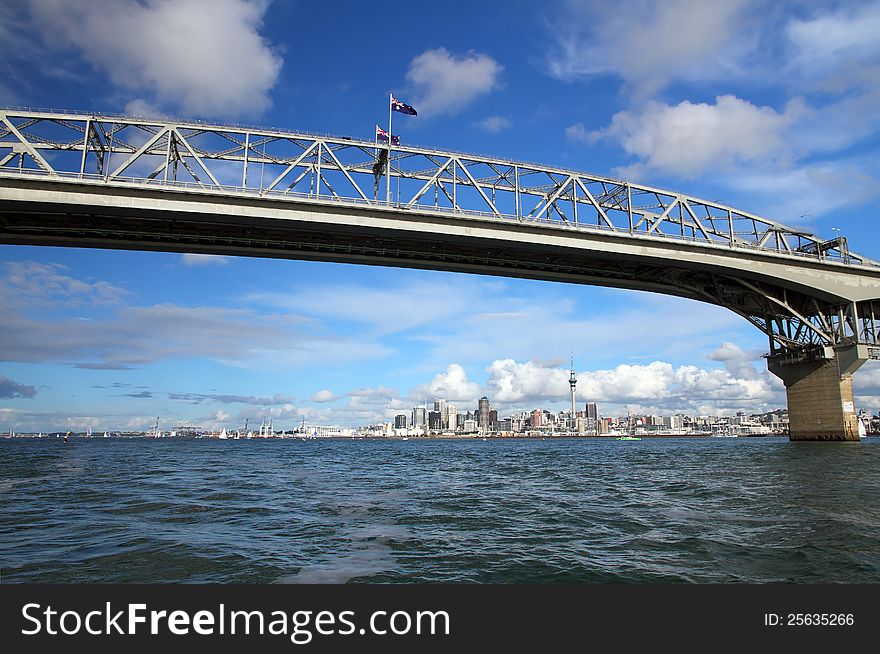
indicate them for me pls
(382, 136)
(397, 105)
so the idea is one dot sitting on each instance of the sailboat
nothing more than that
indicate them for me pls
(863, 431)
(223, 434)
(630, 430)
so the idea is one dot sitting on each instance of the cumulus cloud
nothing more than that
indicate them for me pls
(689, 139)
(657, 385)
(323, 396)
(514, 386)
(494, 124)
(451, 384)
(12, 389)
(737, 362)
(204, 57)
(650, 44)
(804, 154)
(444, 83)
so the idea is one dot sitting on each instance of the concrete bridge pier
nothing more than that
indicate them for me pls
(820, 393)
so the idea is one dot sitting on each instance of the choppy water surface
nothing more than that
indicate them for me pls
(585, 510)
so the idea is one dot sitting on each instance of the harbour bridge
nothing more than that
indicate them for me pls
(111, 181)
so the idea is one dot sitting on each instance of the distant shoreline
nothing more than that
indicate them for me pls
(437, 437)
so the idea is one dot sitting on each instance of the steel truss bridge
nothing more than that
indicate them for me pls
(91, 180)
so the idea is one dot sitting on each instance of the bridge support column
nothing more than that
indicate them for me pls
(820, 395)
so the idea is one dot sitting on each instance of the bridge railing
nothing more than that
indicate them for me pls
(275, 163)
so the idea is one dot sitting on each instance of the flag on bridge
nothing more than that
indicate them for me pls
(397, 105)
(382, 136)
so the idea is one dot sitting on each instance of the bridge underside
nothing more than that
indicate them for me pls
(795, 313)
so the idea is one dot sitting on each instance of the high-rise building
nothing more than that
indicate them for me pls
(493, 418)
(591, 415)
(435, 420)
(592, 411)
(400, 421)
(450, 417)
(537, 418)
(419, 416)
(483, 413)
(440, 406)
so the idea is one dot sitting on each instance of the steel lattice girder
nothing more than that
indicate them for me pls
(148, 150)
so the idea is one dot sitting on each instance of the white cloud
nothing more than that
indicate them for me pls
(111, 336)
(837, 49)
(494, 124)
(578, 132)
(27, 282)
(203, 57)
(324, 395)
(194, 259)
(650, 44)
(142, 108)
(444, 83)
(866, 387)
(737, 362)
(690, 139)
(816, 189)
(658, 386)
(452, 385)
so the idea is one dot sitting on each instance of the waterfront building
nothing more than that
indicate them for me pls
(483, 412)
(537, 418)
(450, 418)
(419, 416)
(469, 426)
(400, 421)
(435, 420)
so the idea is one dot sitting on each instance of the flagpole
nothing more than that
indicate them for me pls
(388, 172)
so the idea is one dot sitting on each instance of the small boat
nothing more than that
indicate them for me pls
(628, 438)
(223, 434)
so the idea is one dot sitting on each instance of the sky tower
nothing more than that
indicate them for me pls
(572, 382)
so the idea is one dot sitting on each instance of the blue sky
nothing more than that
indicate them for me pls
(770, 107)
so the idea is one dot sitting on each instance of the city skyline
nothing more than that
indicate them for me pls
(783, 124)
